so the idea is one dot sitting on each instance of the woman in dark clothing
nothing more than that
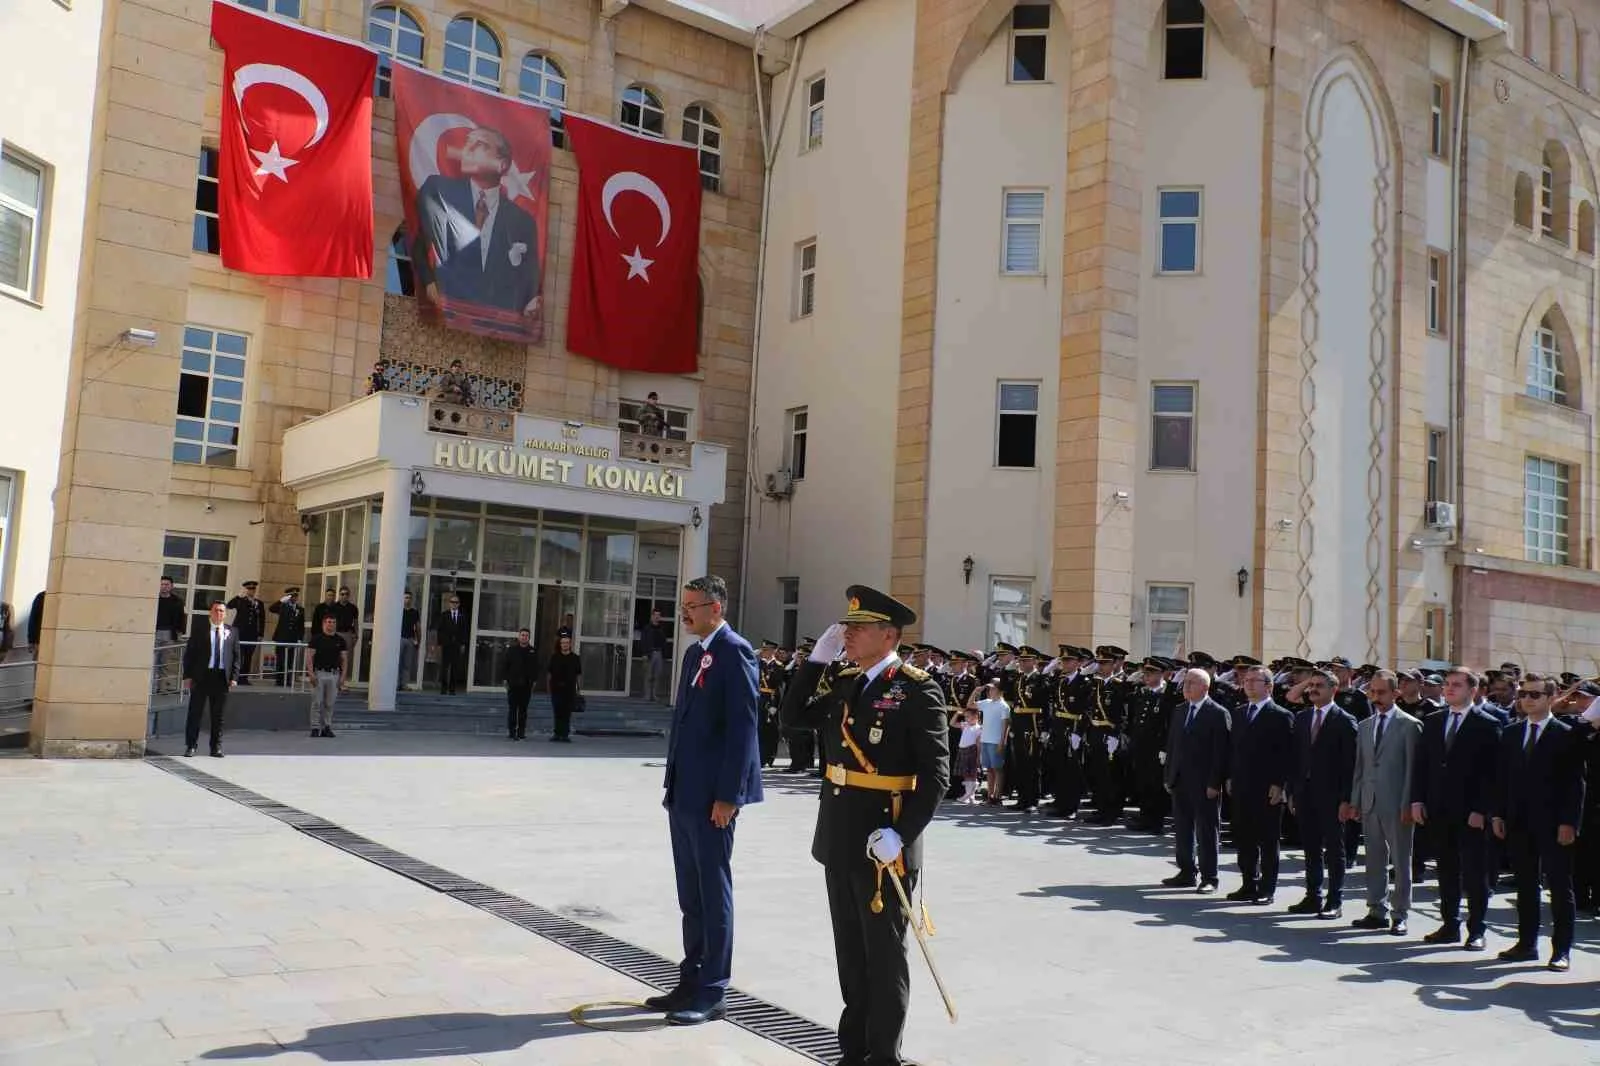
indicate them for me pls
(562, 681)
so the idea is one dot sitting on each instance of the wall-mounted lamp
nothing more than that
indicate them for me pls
(139, 338)
(695, 519)
(1285, 524)
(966, 569)
(1243, 578)
(418, 486)
(1121, 495)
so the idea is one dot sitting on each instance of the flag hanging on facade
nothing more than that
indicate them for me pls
(635, 274)
(475, 179)
(294, 190)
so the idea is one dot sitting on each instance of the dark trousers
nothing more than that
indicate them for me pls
(209, 689)
(247, 656)
(1065, 770)
(285, 671)
(1257, 826)
(1586, 861)
(1104, 772)
(1024, 750)
(1463, 861)
(562, 704)
(1197, 820)
(1154, 803)
(1352, 842)
(452, 664)
(702, 858)
(874, 975)
(802, 744)
(1533, 854)
(768, 733)
(517, 697)
(1322, 835)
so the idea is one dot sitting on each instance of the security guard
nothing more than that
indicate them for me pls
(883, 729)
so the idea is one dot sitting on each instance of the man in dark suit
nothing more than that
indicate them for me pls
(1451, 789)
(1196, 770)
(210, 669)
(713, 770)
(289, 631)
(451, 630)
(883, 727)
(1258, 781)
(1325, 764)
(473, 243)
(1537, 807)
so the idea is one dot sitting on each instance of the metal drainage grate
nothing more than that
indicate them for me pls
(766, 1020)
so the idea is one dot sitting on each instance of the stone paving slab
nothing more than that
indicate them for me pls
(1054, 941)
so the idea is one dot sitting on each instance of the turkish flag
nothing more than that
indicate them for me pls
(294, 192)
(635, 282)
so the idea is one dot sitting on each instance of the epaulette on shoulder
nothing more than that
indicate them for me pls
(849, 671)
(915, 673)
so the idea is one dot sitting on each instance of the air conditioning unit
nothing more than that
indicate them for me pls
(1441, 515)
(779, 484)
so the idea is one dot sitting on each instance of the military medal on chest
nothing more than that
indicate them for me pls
(875, 735)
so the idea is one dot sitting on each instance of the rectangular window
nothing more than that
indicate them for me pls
(1172, 427)
(1185, 40)
(1180, 230)
(1017, 425)
(677, 418)
(1547, 202)
(790, 590)
(1010, 610)
(1546, 485)
(23, 185)
(198, 567)
(1030, 31)
(210, 397)
(794, 449)
(1439, 120)
(1437, 481)
(286, 8)
(207, 235)
(1167, 617)
(1435, 635)
(816, 92)
(10, 485)
(1023, 232)
(1545, 378)
(805, 282)
(1438, 293)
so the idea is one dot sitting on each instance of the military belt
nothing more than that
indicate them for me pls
(1101, 723)
(838, 775)
(1025, 710)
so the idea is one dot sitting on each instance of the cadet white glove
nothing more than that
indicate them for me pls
(1162, 757)
(1074, 740)
(830, 645)
(1055, 664)
(1112, 744)
(884, 845)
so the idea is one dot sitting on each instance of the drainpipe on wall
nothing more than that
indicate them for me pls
(1458, 336)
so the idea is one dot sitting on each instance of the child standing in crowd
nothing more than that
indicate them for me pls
(967, 760)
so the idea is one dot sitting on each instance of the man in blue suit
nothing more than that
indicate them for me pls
(713, 769)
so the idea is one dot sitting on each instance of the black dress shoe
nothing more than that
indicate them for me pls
(1241, 895)
(677, 999)
(1560, 963)
(698, 1016)
(188, 753)
(315, 733)
(1331, 910)
(1207, 888)
(1448, 933)
(1264, 900)
(1473, 943)
(1397, 927)
(1519, 952)
(1370, 921)
(1179, 881)
(216, 753)
(1308, 905)
(327, 734)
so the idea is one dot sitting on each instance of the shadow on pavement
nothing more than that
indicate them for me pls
(429, 1036)
(1458, 982)
(410, 745)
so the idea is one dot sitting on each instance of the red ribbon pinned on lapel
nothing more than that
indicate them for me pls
(700, 676)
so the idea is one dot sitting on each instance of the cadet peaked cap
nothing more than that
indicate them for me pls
(1245, 660)
(1339, 660)
(1028, 651)
(931, 650)
(252, 584)
(868, 605)
(1201, 659)
(1002, 646)
(1155, 663)
(1109, 651)
(770, 645)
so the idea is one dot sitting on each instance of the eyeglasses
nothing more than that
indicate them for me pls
(1533, 695)
(696, 606)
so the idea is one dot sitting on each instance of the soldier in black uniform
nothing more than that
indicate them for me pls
(1032, 697)
(883, 725)
(1067, 725)
(767, 685)
(1149, 722)
(802, 742)
(1103, 736)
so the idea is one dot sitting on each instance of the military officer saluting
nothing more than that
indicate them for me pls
(882, 725)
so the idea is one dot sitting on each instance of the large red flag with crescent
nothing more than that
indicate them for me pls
(475, 178)
(294, 192)
(635, 275)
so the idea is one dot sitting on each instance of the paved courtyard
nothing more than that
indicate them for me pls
(146, 920)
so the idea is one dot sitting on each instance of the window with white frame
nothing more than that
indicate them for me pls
(1010, 610)
(1017, 425)
(544, 82)
(400, 279)
(789, 591)
(1546, 378)
(641, 112)
(1439, 120)
(207, 231)
(1030, 33)
(1167, 617)
(210, 397)
(1172, 426)
(1546, 494)
(1184, 40)
(676, 419)
(396, 36)
(816, 92)
(1547, 200)
(1435, 634)
(702, 130)
(1180, 230)
(198, 568)
(1438, 310)
(23, 185)
(289, 9)
(1022, 240)
(472, 53)
(805, 279)
(796, 420)
(10, 485)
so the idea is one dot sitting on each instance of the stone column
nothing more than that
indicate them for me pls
(394, 523)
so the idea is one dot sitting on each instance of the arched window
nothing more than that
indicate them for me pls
(1586, 227)
(399, 278)
(396, 35)
(701, 129)
(1547, 378)
(543, 82)
(472, 53)
(1522, 202)
(642, 112)
(1555, 181)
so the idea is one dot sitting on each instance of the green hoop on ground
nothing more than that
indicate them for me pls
(628, 1025)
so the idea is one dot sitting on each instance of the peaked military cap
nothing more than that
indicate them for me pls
(906, 651)
(1155, 663)
(931, 650)
(769, 645)
(1109, 651)
(1339, 660)
(1002, 646)
(1201, 659)
(1244, 660)
(1028, 651)
(252, 584)
(868, 605)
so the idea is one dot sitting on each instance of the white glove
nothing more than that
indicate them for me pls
(884, 845)
(1073, 740)
(1112, 744)
(830, 645)
(1162, 756)
(1055, 664)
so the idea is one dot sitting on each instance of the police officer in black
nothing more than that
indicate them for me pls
(250, 621)
(1068, 724)
(1149, 716)
(883, 725)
